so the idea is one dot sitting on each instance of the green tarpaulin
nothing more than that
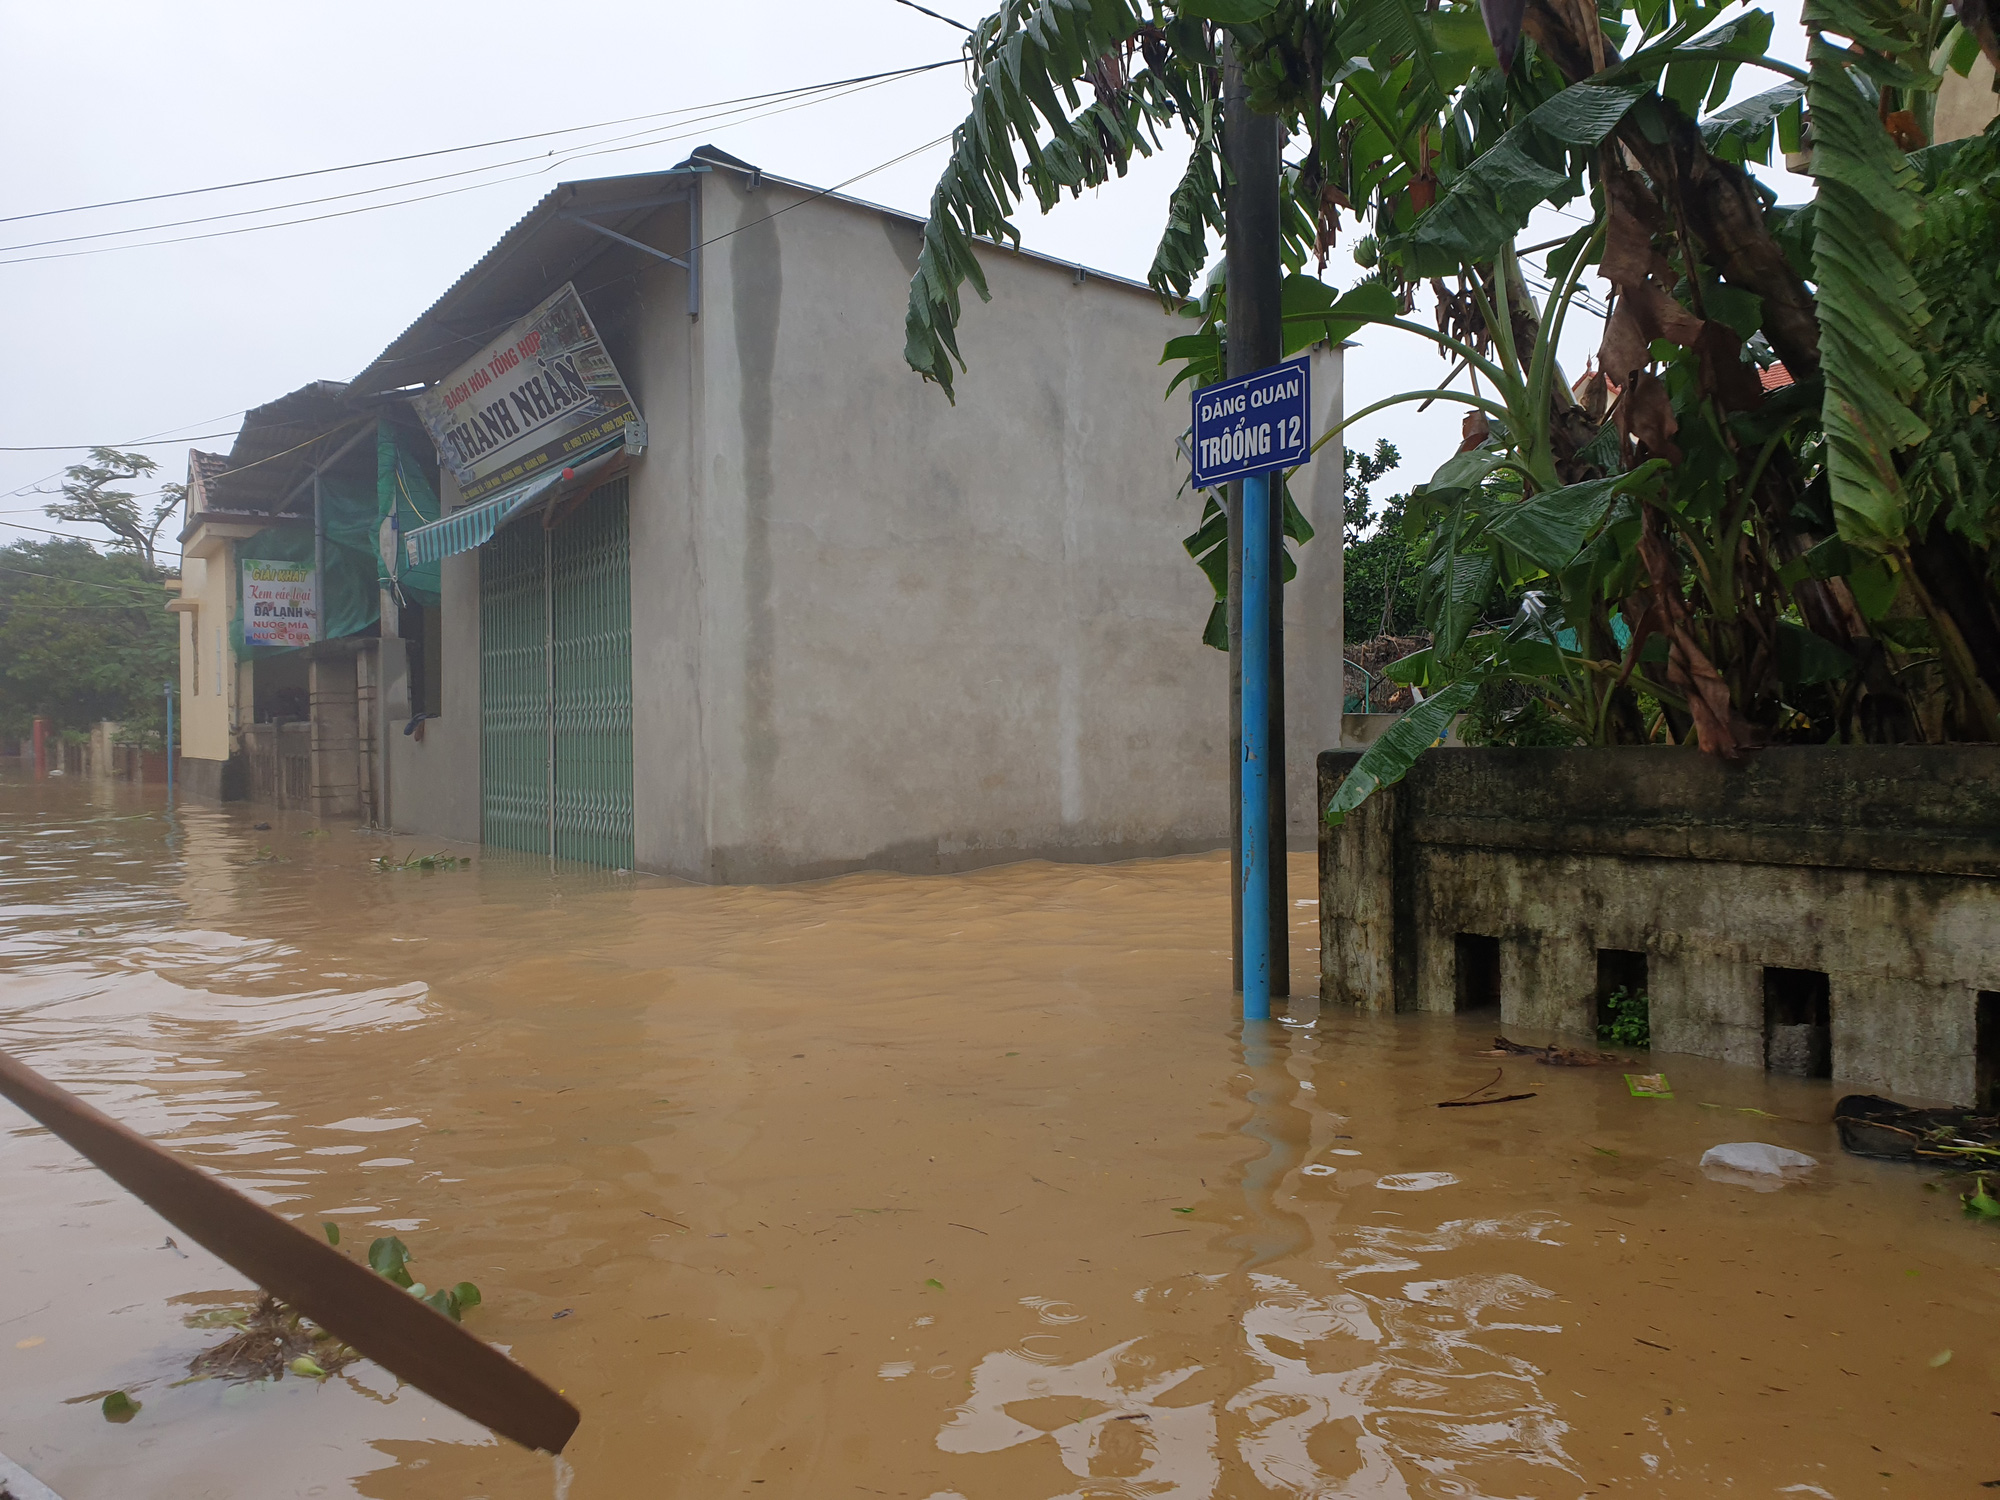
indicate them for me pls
(359, 520)
(406, 501)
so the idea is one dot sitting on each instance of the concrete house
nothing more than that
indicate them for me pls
(292, 722)
(717, 588)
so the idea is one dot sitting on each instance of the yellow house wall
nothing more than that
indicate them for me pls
(208, 664)
(1965, 105)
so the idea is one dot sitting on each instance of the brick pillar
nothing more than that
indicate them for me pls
(1365, 938)
(368, 728)
(336, 738)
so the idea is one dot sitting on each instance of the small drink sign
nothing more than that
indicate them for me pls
(280, 604)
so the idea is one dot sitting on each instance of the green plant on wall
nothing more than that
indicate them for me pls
(1627, 1019)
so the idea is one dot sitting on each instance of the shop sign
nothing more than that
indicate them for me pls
(540, 393)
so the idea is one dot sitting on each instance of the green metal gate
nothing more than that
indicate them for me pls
(514, 690)
(556, 684)
(592, 561)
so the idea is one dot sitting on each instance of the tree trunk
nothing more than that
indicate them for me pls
(1723, 207)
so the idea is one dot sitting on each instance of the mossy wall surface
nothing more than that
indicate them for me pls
(1878, 866)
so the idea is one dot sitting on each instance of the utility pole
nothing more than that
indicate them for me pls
(170, 746)
(319, 561)
(1250, 149)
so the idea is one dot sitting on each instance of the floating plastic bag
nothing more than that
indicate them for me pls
(1753, 1164)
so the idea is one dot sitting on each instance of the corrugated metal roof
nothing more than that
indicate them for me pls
(276, 448)
(508, 280)
(542, 250)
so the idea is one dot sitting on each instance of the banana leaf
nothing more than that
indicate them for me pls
(1389, 759)
(1872, 312)
(1228, 12)
(1488, 203)
(1314, 312)
(1743, 131)
(1549, 529)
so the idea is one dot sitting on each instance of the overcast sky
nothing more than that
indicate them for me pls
(167, 343)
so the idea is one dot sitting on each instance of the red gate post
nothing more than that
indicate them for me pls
(41, 748)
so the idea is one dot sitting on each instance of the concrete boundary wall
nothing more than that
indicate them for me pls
(1850, 891)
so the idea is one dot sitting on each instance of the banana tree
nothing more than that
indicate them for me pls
(1662, 549)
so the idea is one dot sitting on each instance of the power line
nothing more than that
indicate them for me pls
(823, 192)
(386, 161)
(548, 164)
(821, 92)
(934, 15)
(116, 588)
(9, 606)
(72, 536)
(281, 453)
(198, 437)
(42, 510)
(151, 440)
(818, 193)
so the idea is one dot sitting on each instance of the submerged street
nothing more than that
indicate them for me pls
(961, 1186)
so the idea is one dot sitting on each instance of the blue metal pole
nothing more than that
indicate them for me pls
(1255, 875)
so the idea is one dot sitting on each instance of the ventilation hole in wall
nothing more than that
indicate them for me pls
(1986, 1051)
(1618, 969)
(1798, 1023)
(1477, 977)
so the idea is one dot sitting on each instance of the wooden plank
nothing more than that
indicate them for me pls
(382, 1320)
(16, 1483)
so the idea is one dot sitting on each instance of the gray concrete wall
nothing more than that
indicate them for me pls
(432, 784)
(939, 636)
(874, 629)
(1315, 620)
(1877, 866)
(657, 346)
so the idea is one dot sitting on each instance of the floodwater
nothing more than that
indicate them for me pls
(957, 1188)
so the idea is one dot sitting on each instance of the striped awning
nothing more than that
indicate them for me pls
(474, 526)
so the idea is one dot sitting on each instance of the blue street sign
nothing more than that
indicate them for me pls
(1253, 424)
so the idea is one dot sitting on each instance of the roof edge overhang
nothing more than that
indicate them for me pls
(236, 523)
(401, 366)
(415, 357)
(758, 176)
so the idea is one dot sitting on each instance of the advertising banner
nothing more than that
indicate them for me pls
(543, 390)
(280, 603)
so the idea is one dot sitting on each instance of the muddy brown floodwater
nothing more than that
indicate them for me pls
(957, 1188)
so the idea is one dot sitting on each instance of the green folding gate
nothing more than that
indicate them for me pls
(556, 684)
(514, 690)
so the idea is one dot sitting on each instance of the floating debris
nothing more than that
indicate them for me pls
(1881, 1128)
(1415, 1182)
(1753, 1164)
(438, 861)
(1552, 1056)
(270, 1340)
